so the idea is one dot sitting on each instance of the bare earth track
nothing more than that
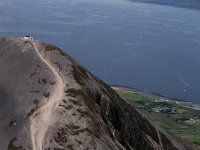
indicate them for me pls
(43, 117)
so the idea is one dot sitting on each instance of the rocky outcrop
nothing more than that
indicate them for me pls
(49, 101)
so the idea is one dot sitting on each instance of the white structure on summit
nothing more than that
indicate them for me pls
(27, 37)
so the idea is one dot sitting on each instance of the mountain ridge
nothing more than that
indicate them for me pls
(88, 114)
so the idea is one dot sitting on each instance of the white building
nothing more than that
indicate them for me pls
(27, 37)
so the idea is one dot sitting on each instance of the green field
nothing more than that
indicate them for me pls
(181, 121)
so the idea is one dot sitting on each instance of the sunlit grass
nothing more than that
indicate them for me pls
(175, 118)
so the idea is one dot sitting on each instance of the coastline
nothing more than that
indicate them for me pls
(178, 101)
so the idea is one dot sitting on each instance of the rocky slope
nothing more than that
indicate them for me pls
(50, 102)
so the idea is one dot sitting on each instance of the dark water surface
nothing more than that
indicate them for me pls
(146, 46)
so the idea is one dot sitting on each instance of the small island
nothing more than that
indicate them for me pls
(177, 117)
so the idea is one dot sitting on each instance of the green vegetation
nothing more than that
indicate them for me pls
(50, 47)
(13, 146)
(46, 94)
(80, 74)
(180, 120)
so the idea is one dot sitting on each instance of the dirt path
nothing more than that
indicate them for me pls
(41, 122)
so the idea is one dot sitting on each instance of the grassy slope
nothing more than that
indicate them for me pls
(171, 116)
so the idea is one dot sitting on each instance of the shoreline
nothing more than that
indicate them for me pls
(183, 103)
